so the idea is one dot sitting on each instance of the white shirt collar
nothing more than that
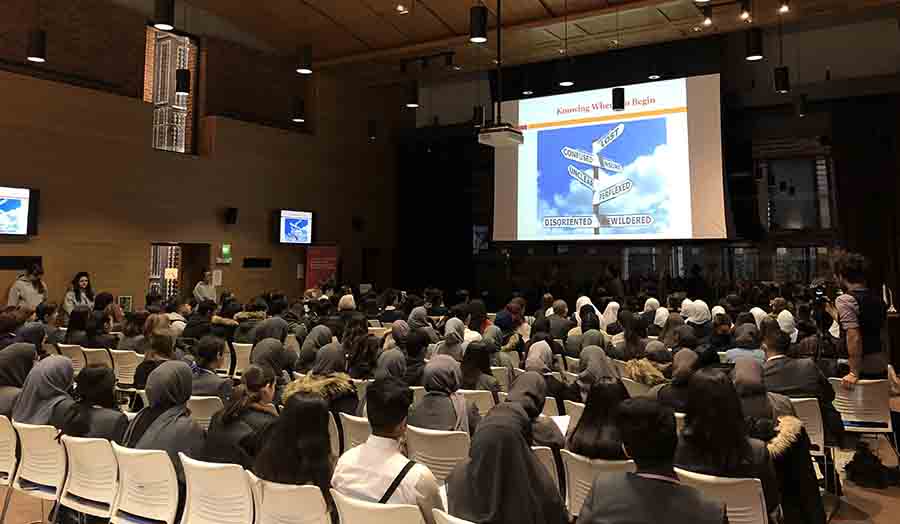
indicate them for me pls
(383, 443)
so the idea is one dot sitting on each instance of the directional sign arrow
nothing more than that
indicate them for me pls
(612, 192)
(607, 139)
(576, 155)
(583, 178)
(608, 165)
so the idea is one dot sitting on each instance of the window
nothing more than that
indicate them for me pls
(638, 261)
(744, 263)
(798, 192)
(173, 114)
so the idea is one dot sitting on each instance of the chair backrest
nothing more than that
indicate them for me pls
(573, 365)
(51, 349)
(866, 408)
(356, 430)
(241, 357)
(125, 363)
(620, 365)
(98, 357)
(545, 457)
(203, 408)
(291, 343)
(502, 375)
(569, 377)
(375, 323)
(680, 419)
(722, 358)
(276, 503)
(418, 393)
(558, 361)
(808, 411)
(441, 451)
(75, 354)
(635, 389)
(225, 370)
(551, 408)
(484, 400)
(334, 435)
(352, 511)
(502, 396)
(361, 387)
(216, 493)
(43, 460)
(92, 479)
(580, 473)
(514, 358)
(149, 487)
(442, 517)
(743, 498)
(574, 410)
(8, 458)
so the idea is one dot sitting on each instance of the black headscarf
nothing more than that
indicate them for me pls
(16, 360)
(274, 327)
(502, 482)
(270, 352)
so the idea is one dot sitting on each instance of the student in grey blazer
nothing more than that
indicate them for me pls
(209, 351)
(92, 413)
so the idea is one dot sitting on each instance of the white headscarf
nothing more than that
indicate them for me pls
(581, 302)
(717, 310)
(651, 304)
(686, 307)
(787, 325)
(610, 315)
(699, 312)
(347, 303)
(758, 316)
(662, 314)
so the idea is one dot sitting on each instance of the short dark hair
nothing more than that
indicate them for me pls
(851, 266)
(416, 342)
(46, 309)
(9, 321)
(648, 431)
(721, 319)
(278, 305)
(102, 300)
(744, 318)
(206, 308)
(258, 304)
(208, 349)
(685, 337)
(388, 400)
(163, 344)
(776, 340)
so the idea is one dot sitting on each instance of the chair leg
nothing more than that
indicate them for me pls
(6, 502)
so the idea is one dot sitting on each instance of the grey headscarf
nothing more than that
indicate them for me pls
(168, 390)
(418, 318)
(330, 359)
(748, 382)
(453, 340)
(442, 376)
(399, 332)
(45, 386)
(493, 336)
(596, 366)
(270, 352)
(529, 390)
(317, 338)
(656, 352)
(594, 337)
(746, 336)
(274, 327)
(540, 357)
(683, 366)
(391, 363)
(32, 333)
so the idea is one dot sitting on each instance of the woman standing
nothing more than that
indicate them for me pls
(80, 294)
(29, 290)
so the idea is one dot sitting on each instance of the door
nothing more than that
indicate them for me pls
(195, 260)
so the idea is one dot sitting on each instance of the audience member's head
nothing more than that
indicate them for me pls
(95, 386)
(154, 300)
(78, 318)
(388, 400)
(347, 303)
(47, 313)
(668, 333)
(560, 309)
(714, 420)
(589, 318)
(257, 387)
(648, 432)
(209, 351)
(684, 364)
(206, 308)
(774, 341)
(162, 346)
(156, 323)
(744, 318)
(596, 430)
(230, 309)
(278, 305)
(746, 336)
(134, 323)
(477, 314)
(685, 337)
(416, 342)
(779, 304)
(721, 324)
(546, 302)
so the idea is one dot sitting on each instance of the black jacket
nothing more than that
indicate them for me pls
(799, 378)
(197, 327)
(239, 441)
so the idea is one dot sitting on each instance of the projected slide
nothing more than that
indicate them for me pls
(13, 211)
(295, 227)
(586, 172)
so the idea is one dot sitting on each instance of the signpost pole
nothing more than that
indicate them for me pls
(596, 206)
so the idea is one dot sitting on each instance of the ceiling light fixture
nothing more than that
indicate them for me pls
(304, 60)
(373, 130)
(754, 45)
(478, 116)
(785, 7)
(564, 72)
(745, 10)
(781, 75)
(401, 9)
(653, 72)
(801, 105)
(182, 82)
(478, 22)
(298, 110)
(412, 101)
(37, 46)
(707, 15)
(164, 15)
(450, 63)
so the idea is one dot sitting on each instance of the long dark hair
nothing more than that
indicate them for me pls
(298, 450)
(596, 435)
(94, 387)
(89, 291)
(253, 380)
(78, 320)
(476, 361)
(356, 343)
(715, 420)
(134, 323)
(477, 314)
(667, 335)
(35, 270)
(635, 331)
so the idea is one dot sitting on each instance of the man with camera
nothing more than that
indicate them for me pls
(861, 314)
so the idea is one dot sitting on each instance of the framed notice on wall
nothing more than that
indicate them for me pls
(321, 265)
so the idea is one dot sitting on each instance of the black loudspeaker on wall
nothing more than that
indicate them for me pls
(231, 215)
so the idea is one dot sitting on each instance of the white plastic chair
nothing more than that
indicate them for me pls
(442, 517)
(866, 408)
(75, 354)
(573, 365)
(8, 459)
(361, 387)
(580, 473)
(334, 436)
(502, 375)
(356, 430)
(203, 408)
(418, 393)
(722, 358)
(680, 421)
(241, 357)
(276, 503)
(744, 500)
(635, 389)
(483, 400)
(149, 487)
(545, 457)
(216, 493)
(42, 466)
(558, 361)
(92, 480)
(569, 377)
(352, 511)
(441, 451)
(125, 363)
(574, 410)
(551, 408)
(97, 358)
(225, 370)
(374, 323)
(514, 357)
(809, 413)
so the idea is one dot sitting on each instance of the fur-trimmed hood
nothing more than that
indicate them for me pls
(788, 431)
(250, 315)
(328, 387)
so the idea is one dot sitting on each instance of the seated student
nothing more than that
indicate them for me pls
(162, 349)
(97, 332)
(529, 390)
(199, 324)
(328, 379)
(720, 338)
(362, 347)
(700, 319)
(443, 407)
(660, 316)
(166, 423)
(595, 368)
(418, 319)
(236, 432)
(671, 325)
(271, 352)
(715, 441)
(76, 332)
(133, 339)
(416, 344)
(634, 344)
(94, 414)
(502, 482)
(391, 313)
(396, 337)
(653, 494)
(367, 471)
(32, 333)
(297, 449)
(476, 370)
(540, 360)
(45, 392)
(253, 314)
(317, 338)
(454, 338)
(224, 325)
(596, 436)
(209, 352)
(47, 318)
(16, 360)
(178, 312)
(675, 394)
(746, 344)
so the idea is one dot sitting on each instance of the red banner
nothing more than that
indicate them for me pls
(321, 265)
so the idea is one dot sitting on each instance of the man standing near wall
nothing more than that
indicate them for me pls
(205, 290)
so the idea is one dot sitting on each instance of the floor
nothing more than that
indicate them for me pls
(860, 506)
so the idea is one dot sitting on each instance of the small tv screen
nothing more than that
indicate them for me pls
(15, 211)
(295, 227)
